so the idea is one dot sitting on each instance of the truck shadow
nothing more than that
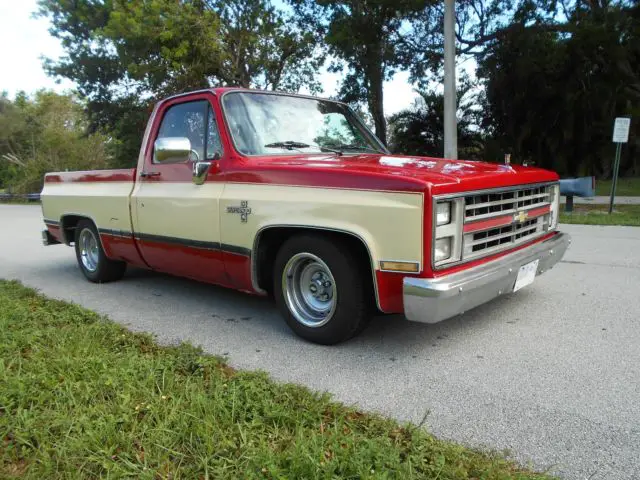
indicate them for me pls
(258, 317)
(226, 321)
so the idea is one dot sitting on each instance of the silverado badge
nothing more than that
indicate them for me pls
(243, 210)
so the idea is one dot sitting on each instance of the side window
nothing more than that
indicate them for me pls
(214, 145)
(186, 120)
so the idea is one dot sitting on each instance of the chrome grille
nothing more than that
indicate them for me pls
(484, 206)
(488, 205)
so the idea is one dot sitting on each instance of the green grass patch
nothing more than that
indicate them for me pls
(627, 187)
(82, 397)
(18, 201)
(599, 215)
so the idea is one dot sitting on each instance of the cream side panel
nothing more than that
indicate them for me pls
(389, 222)
(178, 209)
(107, 203)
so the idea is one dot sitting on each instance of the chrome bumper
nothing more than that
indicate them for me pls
(431, 300)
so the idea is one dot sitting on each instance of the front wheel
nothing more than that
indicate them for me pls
(320, 289)
(91, 257)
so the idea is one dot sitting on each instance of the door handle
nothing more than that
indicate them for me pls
(144, 174)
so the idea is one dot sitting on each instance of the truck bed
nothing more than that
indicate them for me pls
(102, 195)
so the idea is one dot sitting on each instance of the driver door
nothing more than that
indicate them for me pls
(176, 221)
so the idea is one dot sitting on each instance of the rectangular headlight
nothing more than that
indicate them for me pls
(442, 249)
(443, 213)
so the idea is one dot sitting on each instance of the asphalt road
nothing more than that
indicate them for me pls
(552, 373)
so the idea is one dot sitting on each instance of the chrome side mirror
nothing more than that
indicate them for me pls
(171, 150)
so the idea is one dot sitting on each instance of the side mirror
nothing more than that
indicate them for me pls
(171, 150)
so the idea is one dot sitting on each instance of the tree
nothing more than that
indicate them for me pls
(124, 55)
(366, 37)
(420, 130)
(45, 133)
(552, 94)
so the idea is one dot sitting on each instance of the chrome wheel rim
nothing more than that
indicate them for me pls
(309, 290)
(88, 250)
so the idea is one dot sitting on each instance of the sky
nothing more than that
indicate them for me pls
(25, 40)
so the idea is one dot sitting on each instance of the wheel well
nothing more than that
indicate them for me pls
(270, 240)
(68, 225)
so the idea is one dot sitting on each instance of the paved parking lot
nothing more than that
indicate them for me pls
(552, 373)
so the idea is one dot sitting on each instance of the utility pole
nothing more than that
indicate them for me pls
(450, 121)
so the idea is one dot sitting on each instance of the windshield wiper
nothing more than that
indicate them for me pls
(353, 146)
(291, 145)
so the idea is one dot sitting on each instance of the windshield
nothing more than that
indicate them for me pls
(267, 124)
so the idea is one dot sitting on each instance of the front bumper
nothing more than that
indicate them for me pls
(431, 300)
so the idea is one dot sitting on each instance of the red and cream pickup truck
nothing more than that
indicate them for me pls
(293, 196)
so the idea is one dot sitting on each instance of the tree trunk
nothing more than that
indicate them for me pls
(376, 80)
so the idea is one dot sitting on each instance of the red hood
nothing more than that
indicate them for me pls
(440, 175)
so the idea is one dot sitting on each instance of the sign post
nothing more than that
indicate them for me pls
(620, 136)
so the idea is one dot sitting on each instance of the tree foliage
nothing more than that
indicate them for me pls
(553, 73)
(367, 37)
(45, 133)
(123, 55)
(553, 93)
(420, 130)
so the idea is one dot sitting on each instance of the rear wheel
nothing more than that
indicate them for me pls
(320, 289)
(91, 257)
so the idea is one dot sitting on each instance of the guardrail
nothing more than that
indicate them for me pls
(29, 197)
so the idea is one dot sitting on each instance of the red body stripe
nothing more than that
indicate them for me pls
(121, 175)
(490, 223)
(536, 212)
(504, 220)
(122, 248)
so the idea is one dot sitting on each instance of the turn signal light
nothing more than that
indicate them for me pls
(410, 267)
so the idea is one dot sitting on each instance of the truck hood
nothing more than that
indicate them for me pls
(439, 175)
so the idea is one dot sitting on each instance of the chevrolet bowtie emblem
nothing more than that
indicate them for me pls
(520, 217)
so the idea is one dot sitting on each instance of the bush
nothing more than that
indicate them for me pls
(42, 134)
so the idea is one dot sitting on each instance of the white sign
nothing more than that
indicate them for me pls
(526, 275)
(621, 130)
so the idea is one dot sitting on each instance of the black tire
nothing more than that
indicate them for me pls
(352, 310)
(106, 270)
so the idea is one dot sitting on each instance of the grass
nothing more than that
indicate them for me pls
(626, 187)
(82, 397)
(599, 215)
(18, 201)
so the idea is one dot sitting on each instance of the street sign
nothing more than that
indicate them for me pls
(620, 136)
(621, 130)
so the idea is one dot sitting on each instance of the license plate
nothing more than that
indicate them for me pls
(526, 275)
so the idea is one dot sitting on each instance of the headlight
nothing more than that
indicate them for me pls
(555, 207)
(442, 249)
(443, 213)
(448, 217)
